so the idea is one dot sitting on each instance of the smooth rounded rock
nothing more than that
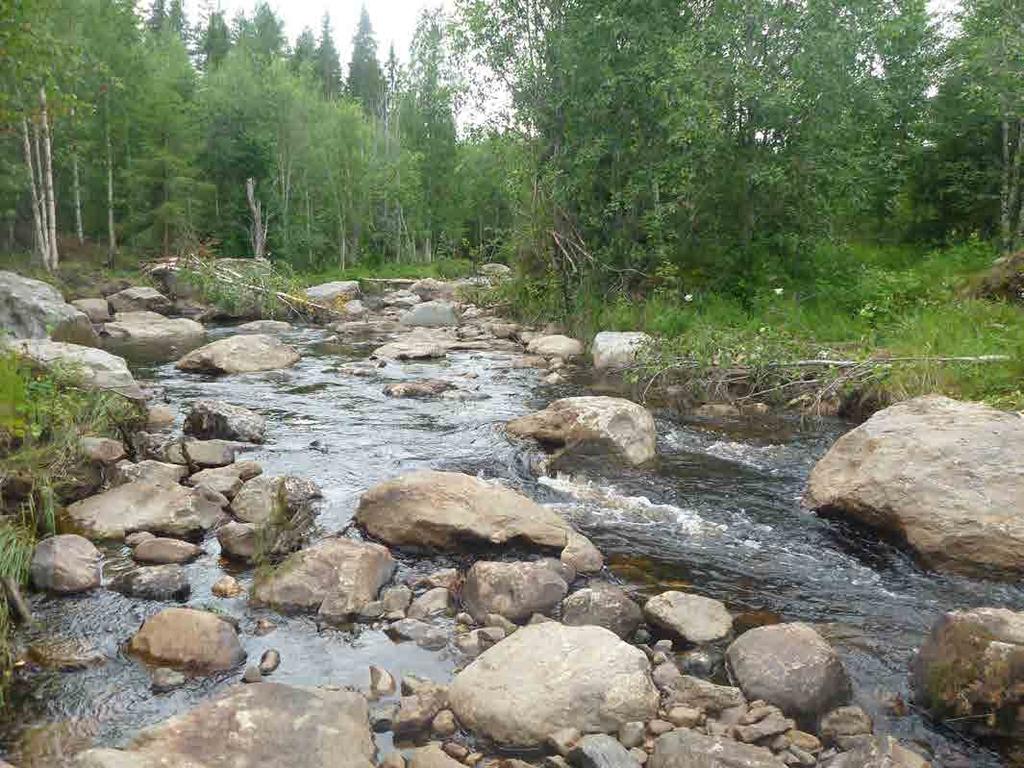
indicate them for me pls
(244, 353)
(513, 590)
(603, 605)
(65, 564)
(694, 618)
(160, 550)
(507, 694)
(792, 667)
(185, 637)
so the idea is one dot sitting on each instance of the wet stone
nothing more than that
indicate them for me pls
(165, 679)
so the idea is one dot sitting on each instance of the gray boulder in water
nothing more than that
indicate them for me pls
(244, 353)
(139, 298)
(64, 564)
(590, 426)
(431, 314)
(149, 336)
(32, 309)
(216, 419)
(513, 590)
(943, 475)
(792, 667)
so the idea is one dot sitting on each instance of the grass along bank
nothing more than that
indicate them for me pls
(896, 322)
(42, 417)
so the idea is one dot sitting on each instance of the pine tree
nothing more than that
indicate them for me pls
(328, 65)
(157, 15)
(215, 42)
(304, 52)
(365, 80)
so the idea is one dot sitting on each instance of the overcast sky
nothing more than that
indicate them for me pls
(394, 21)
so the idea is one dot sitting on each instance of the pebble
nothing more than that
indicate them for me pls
(497, 620)
(684, 717)
(473, 758)
(226, 586)
(632, 734)
(166, 679)
(265, 627)
(665, 646)
(455, 750)
(252, 674)
(808, 742)
(563, 740)
(269, 661)
(465, 619)
(444, 723)
(658, 727)
(382, 682)
(639, 755)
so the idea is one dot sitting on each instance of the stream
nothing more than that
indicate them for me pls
(719, 514)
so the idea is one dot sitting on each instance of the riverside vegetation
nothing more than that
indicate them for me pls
(452, 409)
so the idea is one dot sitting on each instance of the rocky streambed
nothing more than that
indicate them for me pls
(438, 542)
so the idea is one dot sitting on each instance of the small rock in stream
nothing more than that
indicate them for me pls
(226, 586)
(264, 627)
(252, 674)
(382, 682)
(599, 750)
(166, 679)
(269, 661)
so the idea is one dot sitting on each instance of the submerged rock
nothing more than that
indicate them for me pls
(97, 369)
(971, 667)
(792, 667)
(546, 677)
(160, 550)
(245, 353)
(453, 511)
(248, 726)
(592, 426)
(148, 336)
(335, 578)
(154, 582)
(420, 388)
(513, 590)
(32, 309)
(65, 564)
(208, 419)
(170, 510)
(264, 326)
(617, 350)
(694, 618)
(945, 476)
(185, 637)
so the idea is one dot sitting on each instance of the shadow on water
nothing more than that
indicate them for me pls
(719, 513)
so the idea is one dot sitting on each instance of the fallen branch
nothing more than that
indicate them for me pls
(16, 601)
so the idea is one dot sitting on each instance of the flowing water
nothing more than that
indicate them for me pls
(719, 514)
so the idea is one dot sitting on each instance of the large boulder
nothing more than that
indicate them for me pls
(555, 346)
(452, 511)
(684, 748)
(694, 618)
(429, 289)
(946, 476)
(139, 298)
(602, 604)
(547, 677)
(335, 578)
(148, 336)
(185, 637)
(160, 508)
(97, 310)
(513, 590)
(254, 726)
(270, 499)
(216, 419)
(616, 350)
(334, 295)
(97, 369)
(971, 668)
(244, 353)
(792, 667)
(65, 564)
(592, 426)
(432, 314)
(32, 309)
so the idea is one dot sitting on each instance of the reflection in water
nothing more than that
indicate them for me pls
(718, 514)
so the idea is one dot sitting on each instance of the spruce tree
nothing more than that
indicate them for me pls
(365, 80)
(328, 65)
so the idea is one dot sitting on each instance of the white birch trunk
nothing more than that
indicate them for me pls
(258, 231)
(37, 230)
(51, 206)
(76, 190)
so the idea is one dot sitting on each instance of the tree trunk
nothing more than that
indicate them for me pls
(37, 230)
(1016, 190)
(258, 231)
(76, 188)
(1005, 236)
(51, 206)
(111, 234)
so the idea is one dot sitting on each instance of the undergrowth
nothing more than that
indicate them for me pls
(42, 416)
(854, 303)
